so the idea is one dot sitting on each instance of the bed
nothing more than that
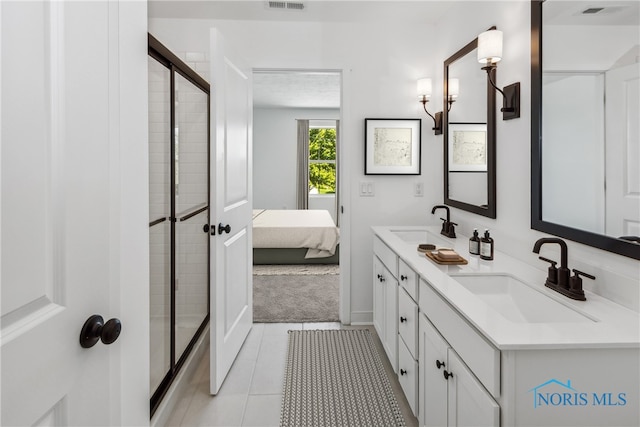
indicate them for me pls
(294, 237)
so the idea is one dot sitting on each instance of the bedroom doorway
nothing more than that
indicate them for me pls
(296, 148)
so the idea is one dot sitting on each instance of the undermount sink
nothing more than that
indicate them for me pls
(420, 236)
(517, 301)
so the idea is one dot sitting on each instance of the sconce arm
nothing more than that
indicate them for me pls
(437, 119)
(505, 101)
(424, 105)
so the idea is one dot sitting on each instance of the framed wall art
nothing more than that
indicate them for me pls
(392, 146)
(467, 147)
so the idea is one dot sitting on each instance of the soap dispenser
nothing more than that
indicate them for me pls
(486, 246)
(474, 243)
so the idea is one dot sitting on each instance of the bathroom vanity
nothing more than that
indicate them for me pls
(488, 344)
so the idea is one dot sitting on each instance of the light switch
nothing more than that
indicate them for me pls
(418, 189)
(367, 189)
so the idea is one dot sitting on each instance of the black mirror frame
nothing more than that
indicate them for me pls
(595, 240)
(490, 210)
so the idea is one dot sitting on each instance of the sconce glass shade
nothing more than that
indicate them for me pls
(454, 88)
(490, 47)
(424, 88)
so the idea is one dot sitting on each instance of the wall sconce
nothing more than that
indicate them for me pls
(453, 89)
(490, 53)
(424, 92)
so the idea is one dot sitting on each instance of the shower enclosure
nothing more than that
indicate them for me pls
(178, 214)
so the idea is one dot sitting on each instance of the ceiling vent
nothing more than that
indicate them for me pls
(592, 10)
(285, 5)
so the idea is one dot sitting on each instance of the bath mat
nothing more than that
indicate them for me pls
(336, 378)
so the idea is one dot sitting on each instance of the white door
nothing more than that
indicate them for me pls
(73, 210)
(623, 151)
(231, 199)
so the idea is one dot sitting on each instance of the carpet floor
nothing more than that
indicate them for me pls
(336, 378)
(296, 298)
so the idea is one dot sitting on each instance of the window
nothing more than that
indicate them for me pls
(322, 160)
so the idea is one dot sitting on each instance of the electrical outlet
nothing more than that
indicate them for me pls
(418, 189)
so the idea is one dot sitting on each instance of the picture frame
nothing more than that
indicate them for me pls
(392, 146)
(467, 147)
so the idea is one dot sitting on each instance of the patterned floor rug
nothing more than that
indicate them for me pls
(336, 378)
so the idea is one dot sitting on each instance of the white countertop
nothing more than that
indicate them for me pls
(613, 325)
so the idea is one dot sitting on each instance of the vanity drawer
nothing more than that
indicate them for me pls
(408, 376)
(408, 322)
(408, 279)
(386, 255)
(480, 355)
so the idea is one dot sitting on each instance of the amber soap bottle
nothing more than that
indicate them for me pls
(486, 246)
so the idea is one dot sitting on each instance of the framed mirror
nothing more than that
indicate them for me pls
(469, 122)
(585, 152)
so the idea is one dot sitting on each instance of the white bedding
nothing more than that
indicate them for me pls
(312, 229)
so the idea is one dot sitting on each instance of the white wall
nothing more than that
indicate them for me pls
(275, 154)
(380, 68)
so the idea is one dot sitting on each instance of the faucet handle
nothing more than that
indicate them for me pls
(579, 273)
(552, 273)
(575, 284)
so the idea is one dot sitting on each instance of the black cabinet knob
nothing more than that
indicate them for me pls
(403, 277)
(381, 277)
(403, 372)
(447, 375)
(439, 364)
(94, 330)
(225, 228)
(403, 319)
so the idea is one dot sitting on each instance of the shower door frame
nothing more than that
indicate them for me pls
(168, 59)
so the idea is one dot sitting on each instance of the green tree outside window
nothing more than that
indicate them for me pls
(322, 160)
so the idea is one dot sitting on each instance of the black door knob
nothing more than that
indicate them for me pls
(403, 319)
(447, 375)
(439, 364)
(94, 330)
(225, 228)
(403, 372)
(403, 277)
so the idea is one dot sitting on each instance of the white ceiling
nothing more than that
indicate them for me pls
(413, 11)
(301, 89)
(571, 12)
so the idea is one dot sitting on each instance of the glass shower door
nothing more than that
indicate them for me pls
(179, 214)
(159, 221)
(192, 210)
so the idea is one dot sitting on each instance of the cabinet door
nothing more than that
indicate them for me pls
(391, 319)
(408, 321)
(432, 385)
(408, 376)
(378, 297)
(469, 403)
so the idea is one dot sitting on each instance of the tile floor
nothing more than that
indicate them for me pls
(251, 394)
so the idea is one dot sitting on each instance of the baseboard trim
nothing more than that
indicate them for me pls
(362, 317)
(181, 382)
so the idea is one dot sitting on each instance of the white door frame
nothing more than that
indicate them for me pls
(344, 193)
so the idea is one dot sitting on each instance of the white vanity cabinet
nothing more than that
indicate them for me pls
(449, 393)
(385, 299)
(557, 363)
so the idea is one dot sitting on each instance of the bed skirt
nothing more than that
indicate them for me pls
(265, 256)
